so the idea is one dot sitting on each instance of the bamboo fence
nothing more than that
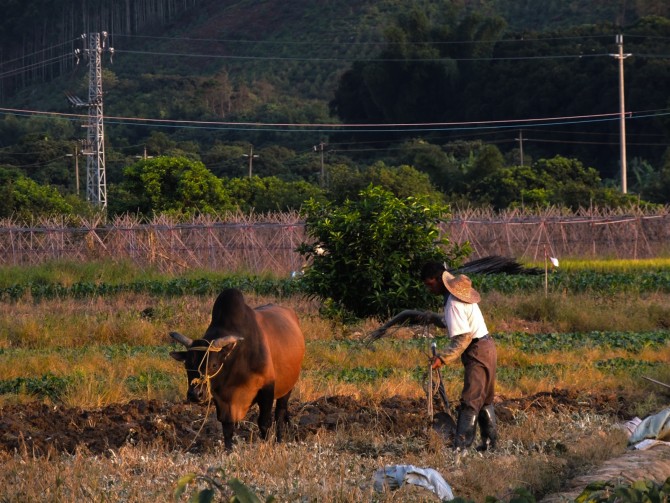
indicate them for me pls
(267, 243)
(585, 234)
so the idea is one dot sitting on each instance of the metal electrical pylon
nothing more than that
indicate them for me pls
(94, 149)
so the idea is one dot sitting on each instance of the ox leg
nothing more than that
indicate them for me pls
(228, 429)
(281, 415)
(227, 425)
(265, 398)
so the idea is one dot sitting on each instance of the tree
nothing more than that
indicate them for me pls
(403, 181)
(25, 199)
(226, 160)
(408, 83)
(558, 181)
(165, 184)
(345, 182)
(159, 143)
(506, 187)
(365, 255)
(417, 73)
(443, 168)
(488, 161)
(270, 194)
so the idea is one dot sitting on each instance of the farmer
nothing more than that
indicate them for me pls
(469, 339)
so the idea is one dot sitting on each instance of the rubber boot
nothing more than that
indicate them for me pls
(465, 428)
(487, 427)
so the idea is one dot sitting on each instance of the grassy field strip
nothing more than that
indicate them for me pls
(605, 265)
(120, 271)
(101, 374)
(641, 280)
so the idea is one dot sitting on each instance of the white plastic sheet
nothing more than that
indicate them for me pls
(395, 476)
(655, 427)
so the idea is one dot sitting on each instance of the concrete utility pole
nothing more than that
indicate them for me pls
(320, 147)
(75, 155)
(96, 181)
(251, 157)
(520, 139)
(622, 114)
(144, 155)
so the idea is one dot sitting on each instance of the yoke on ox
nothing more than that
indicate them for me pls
(246, 356)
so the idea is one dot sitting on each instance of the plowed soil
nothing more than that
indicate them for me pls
(38, 428)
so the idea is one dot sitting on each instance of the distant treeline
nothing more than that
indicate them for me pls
(497, 65)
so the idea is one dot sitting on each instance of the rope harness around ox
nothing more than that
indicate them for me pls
(204, 376)
(207, 379)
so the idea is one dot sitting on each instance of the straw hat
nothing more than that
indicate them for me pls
(460, 287)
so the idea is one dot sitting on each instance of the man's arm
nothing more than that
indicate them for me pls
(408, 316)
(430, 318)
(457, 345)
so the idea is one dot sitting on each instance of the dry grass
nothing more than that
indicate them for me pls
(561, 312)
(333, 466)
(70, 337)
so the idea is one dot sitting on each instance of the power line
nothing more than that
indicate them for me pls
(41, 51)
(321, 42)
(32, 66)
(349, 59)
(578, 142)
(357, 127)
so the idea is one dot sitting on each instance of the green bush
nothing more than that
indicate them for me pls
(365, 255)
(233, 490)
(45, 386)
(640, 490)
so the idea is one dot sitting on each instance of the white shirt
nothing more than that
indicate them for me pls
(462, 318)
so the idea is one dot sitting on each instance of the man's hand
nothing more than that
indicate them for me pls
(436, 362)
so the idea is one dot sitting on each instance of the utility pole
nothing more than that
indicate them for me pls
(622, 113)
(75, 154)
(317, 148)
(520, 139)
(96, 181)
(251, 156)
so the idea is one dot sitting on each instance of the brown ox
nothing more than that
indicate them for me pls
(246, 356)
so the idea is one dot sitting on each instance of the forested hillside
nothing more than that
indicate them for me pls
(38, 36)
(471, 93)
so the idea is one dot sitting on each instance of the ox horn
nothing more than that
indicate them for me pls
(181, 338)
(222, 342)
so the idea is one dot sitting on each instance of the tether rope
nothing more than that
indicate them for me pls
(207, 379)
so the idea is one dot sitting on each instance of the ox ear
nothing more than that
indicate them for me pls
(181, 338)
(180, 356)
(222, 342)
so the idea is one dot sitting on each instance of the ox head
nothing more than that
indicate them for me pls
(203, 361)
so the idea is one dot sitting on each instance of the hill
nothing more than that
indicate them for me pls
(299, 47)
(272, 62)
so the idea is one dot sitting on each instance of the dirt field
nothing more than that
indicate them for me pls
(36, 431)
(38, 428)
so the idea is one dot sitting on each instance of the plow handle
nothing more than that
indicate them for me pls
(443, 393)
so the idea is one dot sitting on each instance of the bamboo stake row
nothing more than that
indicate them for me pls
(267, 243)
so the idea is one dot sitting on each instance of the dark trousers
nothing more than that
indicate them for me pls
(479, 360)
